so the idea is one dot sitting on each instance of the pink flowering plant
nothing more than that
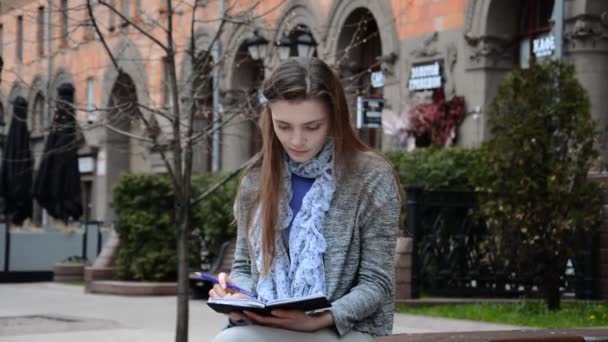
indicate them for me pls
(439, 119)
(424, 124)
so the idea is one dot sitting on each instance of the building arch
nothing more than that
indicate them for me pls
(131, 62)
(202, 42)
(361, 39)
(490, 32)
(17, 89)
(299, 13)
(62, 75)
(198, 72)
(382, 13)
(36, 115)
(244, 76)
(117, 148)
(121, 93)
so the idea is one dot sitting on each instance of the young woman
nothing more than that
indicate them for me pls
(316, 212)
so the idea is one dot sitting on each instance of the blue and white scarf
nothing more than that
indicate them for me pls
(302, 272)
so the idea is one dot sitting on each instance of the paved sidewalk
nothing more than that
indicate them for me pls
(53, 312)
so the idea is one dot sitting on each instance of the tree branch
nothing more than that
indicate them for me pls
(101, 37)
(130, 23)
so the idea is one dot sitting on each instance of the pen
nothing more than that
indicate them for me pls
(214, 280)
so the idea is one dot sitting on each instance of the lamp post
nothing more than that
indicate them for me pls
(284, 47)
(306, 44)
(257, 46)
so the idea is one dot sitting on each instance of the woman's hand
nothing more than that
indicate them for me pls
(293, 320)
(221, 290)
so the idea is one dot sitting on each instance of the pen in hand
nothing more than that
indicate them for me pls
(214, 280)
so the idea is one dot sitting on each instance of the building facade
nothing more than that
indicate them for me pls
(473, 43)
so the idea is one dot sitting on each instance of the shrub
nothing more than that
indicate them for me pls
(145, 215)
(213, 217)
(436, 168)
(534, 172)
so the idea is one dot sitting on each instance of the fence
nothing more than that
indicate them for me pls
(453, 254)
(30, 255)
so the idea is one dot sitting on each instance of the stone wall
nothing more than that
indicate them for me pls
(403, 269)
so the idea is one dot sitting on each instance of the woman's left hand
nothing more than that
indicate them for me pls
(293, 320)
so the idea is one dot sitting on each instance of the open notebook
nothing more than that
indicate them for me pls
(308, 303)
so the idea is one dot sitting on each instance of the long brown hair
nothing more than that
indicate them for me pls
(296, 80)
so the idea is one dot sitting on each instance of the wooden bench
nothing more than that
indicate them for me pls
(199, 288)
(541, 335)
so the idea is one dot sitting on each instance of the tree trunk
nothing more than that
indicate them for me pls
(182, 222)
(550, 287)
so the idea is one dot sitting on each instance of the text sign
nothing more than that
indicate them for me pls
(425, 77)
(369, 112)
(543, 46)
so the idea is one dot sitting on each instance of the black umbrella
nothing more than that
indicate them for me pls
(57, 185)
(17, 163)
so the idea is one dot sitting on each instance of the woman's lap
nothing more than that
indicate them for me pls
(258, 333)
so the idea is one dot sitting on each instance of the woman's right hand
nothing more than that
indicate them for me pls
(221, 291)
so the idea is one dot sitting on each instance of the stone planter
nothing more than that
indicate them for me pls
(65, 272)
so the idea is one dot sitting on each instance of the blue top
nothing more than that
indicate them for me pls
(299, 187)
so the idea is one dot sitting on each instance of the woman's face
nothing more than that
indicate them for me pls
(301, 127)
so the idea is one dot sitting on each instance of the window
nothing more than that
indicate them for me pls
(167, 97)
(534, 22)
(19, 48)
(91, 115)
(37, 119)
(40, 31)
(64, 21)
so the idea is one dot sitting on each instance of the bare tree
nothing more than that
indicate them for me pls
(176, 146)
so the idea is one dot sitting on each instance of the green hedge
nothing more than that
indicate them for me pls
(436, 168)
(145, 224)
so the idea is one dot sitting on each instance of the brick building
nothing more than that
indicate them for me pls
(45, 43)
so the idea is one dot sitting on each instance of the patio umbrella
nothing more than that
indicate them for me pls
(17, 164)
(57, 185)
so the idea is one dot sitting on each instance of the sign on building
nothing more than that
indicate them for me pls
(369, 112)
(377, 79)
(543, 46)
(425, 77)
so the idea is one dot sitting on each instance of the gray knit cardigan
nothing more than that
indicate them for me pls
(360, 231)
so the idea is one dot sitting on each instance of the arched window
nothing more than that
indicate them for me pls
(37, 119)
(534, 22)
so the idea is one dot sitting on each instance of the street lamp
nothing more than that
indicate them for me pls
(257, 46)
(284, 47)
(306, 44)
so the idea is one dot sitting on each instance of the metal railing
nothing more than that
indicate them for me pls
(454, 253)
